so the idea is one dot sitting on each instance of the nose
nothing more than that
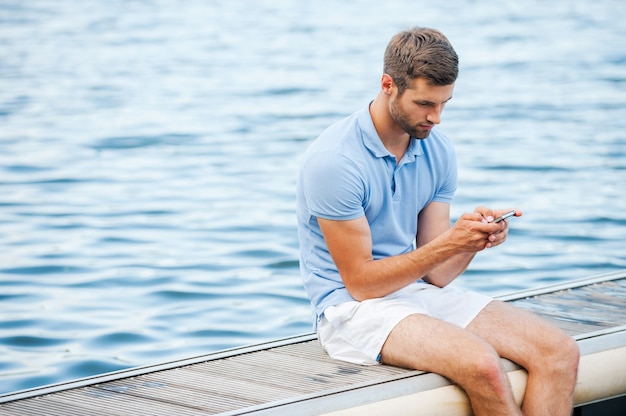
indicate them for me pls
(434, 116)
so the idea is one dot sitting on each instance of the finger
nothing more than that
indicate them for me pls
(504, 225)
(485, 213)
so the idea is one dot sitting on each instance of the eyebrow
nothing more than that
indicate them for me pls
(431, 102)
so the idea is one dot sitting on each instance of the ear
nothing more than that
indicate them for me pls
(387, 84)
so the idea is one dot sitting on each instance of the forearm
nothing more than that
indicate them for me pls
(441, 255)
(438, 262)
(444, 273)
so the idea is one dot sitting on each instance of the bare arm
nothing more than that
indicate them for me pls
(441, 250)
(434, 220)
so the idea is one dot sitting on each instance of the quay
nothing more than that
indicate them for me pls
(293, 376)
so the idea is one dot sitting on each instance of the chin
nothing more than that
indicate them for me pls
(421, 136)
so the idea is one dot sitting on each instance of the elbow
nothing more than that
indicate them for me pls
(358, 293)
(435, 281)
(359, 290)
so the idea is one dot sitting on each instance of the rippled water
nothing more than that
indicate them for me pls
(148, 152)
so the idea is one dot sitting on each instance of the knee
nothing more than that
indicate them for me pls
(561, 353)
(485, 368)
(570, 354)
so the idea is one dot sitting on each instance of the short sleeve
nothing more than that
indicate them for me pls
(448, 186)
(332, 186)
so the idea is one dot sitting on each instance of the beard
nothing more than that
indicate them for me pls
(402, 119)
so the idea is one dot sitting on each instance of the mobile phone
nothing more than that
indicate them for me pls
(504, 216)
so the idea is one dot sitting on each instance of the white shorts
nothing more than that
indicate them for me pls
(356, 331)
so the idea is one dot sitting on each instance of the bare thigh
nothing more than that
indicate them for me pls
(424, 343)
(515, 333)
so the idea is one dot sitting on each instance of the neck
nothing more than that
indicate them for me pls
(393, 137)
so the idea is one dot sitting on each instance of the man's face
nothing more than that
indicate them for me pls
(419, 108)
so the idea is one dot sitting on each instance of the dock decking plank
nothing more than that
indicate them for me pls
(298, 380)
(221, 385)
(91, 401)
(268, 376)
(155, 388)
(328, 368)
(35, 408)
(583, 309)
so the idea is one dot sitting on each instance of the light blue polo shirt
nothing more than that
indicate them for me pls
(347, 173)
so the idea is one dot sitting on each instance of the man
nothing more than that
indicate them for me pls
(377, 247)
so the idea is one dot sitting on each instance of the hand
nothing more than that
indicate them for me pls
(472, 233)
(498, 236)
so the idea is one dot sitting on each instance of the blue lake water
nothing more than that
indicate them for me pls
(148, 152)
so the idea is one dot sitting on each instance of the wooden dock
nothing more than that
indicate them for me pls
(295, 377)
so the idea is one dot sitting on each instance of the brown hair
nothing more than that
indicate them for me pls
(421, 52)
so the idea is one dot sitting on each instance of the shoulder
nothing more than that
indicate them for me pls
(331, 165)
(340, 146)
(333, 172)
(339, 134)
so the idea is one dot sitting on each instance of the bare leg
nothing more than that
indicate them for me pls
(550, 356)
(425, 343)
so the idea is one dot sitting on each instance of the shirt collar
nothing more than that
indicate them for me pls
(375, 145)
